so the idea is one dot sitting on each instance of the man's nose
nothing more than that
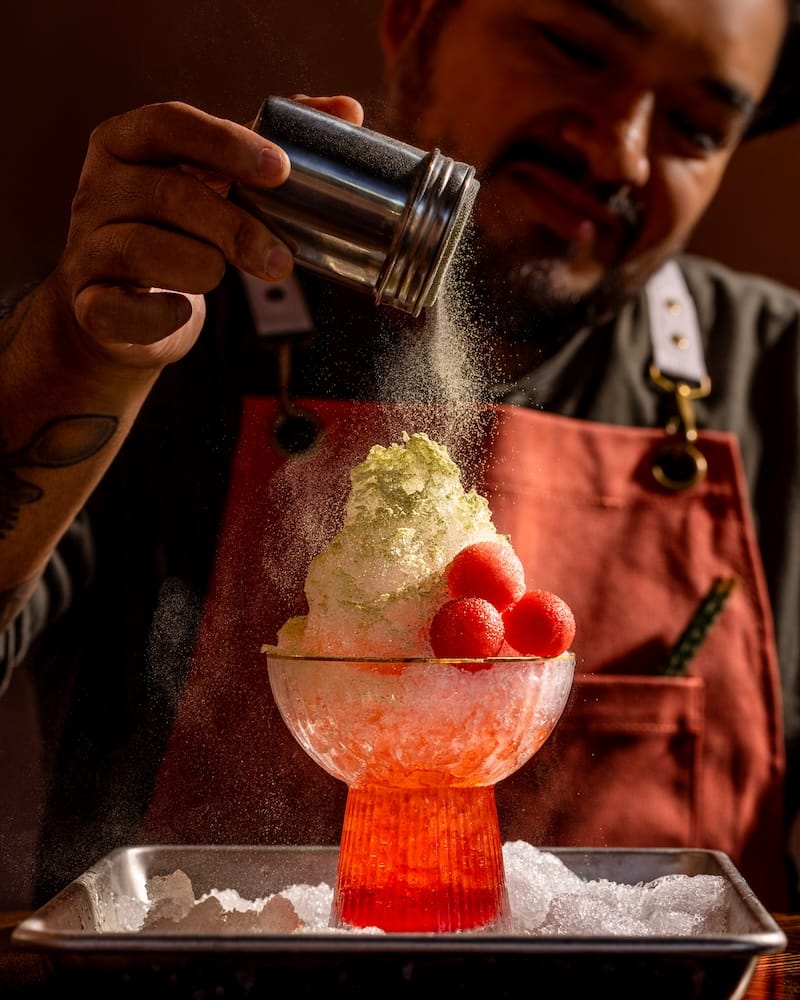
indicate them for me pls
(614, 137)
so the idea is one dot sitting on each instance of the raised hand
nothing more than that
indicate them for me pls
(152, 229)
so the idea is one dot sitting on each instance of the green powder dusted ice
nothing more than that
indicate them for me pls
(373, 590)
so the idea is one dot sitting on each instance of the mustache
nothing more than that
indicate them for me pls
(616, 198)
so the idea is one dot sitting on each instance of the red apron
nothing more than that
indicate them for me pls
(638, 759)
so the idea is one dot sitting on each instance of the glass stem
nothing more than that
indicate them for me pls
(421, 859)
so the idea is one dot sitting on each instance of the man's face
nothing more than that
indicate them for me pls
(600, 130)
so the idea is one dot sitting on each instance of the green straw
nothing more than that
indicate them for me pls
(694, 634)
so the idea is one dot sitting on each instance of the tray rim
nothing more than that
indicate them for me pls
(33, 933)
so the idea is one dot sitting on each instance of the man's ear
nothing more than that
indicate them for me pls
(399, 23)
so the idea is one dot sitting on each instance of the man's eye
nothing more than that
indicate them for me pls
(702, 138)
(571, 48)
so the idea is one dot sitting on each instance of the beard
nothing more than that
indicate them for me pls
(518, 279)
(517, 294)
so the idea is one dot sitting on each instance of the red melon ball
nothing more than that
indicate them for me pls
(466, 626)
(491, 570)
(539, 624)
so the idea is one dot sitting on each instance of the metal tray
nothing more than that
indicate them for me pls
(75, 931)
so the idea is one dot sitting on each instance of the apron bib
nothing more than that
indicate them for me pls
(638, 759)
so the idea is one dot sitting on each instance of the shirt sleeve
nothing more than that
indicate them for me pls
(67, 575)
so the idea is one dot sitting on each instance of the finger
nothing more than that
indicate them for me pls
(340, 105)
(147, 256)
(218, 183)
(124, 315)
(178, 133)
(178, 200)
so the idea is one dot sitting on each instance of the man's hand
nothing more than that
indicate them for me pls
(152, 228)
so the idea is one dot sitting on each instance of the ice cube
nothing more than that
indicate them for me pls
(682, 904)
(171, 897)
(313, 904)
(231, 899)
(595, 910)
(204, 917)
(534, 878)
(120, 913)
(278, 916)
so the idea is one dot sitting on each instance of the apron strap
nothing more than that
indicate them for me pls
(674, 328)
(679, 368)
(282, 318)
(278, 308)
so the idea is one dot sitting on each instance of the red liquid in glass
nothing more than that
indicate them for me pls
(421, 859)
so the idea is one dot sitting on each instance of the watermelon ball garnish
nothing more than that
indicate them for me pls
(465, 627)
(539, 624)
(491, 570)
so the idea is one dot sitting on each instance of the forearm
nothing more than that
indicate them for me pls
(65, 410)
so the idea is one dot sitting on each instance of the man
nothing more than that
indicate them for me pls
(600, 132)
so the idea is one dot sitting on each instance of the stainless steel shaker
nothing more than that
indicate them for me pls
(361, 208)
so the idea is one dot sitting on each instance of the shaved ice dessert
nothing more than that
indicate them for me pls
(419, 569)
(424, 672)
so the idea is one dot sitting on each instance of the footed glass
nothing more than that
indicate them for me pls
(420, 743)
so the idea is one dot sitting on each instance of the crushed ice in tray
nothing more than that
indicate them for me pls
(546, 897)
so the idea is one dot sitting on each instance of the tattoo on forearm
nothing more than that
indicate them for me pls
(59, 443)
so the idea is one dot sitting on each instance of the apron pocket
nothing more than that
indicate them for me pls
(621, 769)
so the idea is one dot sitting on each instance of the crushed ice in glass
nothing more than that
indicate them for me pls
(546, 898)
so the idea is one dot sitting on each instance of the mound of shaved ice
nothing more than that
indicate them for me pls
(373, 590)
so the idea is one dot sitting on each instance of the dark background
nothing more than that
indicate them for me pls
(65, 66)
